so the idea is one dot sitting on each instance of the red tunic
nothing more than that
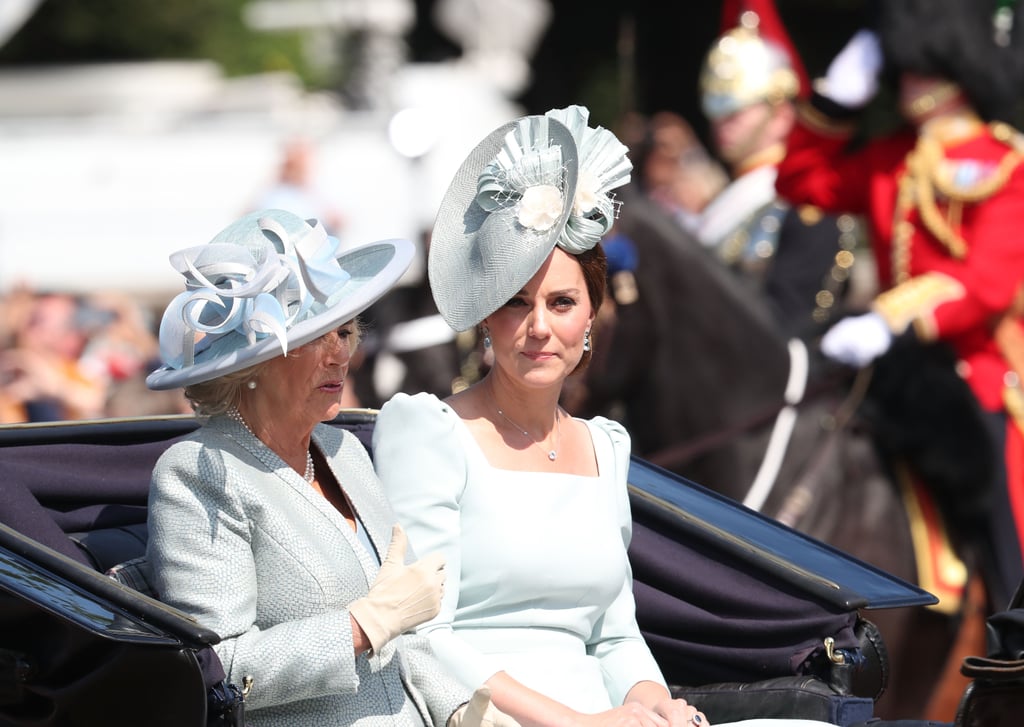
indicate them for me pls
(954, 298)
(946, 217)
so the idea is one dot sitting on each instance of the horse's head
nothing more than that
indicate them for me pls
(693, 353)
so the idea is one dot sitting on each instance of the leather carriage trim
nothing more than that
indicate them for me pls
(868, 681)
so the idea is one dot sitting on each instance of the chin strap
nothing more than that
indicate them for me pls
(782, 432)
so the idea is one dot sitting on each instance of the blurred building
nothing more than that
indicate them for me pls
(107, 169)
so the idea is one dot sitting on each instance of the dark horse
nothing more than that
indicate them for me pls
(697, 371)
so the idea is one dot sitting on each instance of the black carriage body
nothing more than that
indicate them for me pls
(748, 601)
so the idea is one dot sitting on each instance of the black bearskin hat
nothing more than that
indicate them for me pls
(977, 44)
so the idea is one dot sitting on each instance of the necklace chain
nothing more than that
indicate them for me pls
(309, 475)
(553, 452)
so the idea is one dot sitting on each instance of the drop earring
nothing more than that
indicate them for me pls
(586, 340)
(487, 336)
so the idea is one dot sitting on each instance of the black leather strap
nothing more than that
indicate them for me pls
(782, 698)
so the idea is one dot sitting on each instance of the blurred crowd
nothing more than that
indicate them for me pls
(68, 356)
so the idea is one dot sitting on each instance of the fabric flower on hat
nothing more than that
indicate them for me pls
(528, 172)
(604, 165)
(586, 194)
(267, 283)
(525, 162)
(532, 184)
(250, 290)
(540, 207)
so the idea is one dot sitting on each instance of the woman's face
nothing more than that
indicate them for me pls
(537, 336)
(743, 133)
(307, 383)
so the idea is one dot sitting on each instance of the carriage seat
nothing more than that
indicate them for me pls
(82, 489)
(84, 493)
(109, 547)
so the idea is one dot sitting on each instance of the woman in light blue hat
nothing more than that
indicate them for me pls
(528, 504)
(271, 528)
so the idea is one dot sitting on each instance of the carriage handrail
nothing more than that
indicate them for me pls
(69, 576)
(814, 566)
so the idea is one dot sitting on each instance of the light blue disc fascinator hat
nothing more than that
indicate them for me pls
(267, 284)
(532, 184)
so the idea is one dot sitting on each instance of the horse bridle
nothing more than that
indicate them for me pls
(782, 431)
(796, 393)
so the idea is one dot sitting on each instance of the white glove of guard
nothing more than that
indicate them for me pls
(480, 712)
(857, 341)
(401, 596)
(852, 77)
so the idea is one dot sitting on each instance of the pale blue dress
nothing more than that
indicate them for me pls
(538, 585)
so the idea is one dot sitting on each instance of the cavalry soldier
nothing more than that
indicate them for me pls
(796, 257)
(944, 199)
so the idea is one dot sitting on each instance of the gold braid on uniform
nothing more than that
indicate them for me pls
(927, 173)
(842, 265)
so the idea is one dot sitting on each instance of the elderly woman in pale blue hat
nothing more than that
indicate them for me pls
(527, 503)
(270, 527)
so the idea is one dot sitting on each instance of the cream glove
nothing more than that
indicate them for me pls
(401, 596)
(852, 77)
(480, 712)
(857, 341)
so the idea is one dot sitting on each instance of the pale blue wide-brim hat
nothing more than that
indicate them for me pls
(531, 184)
(267, 284)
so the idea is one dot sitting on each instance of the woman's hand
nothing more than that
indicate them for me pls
(671, 712)
(679, 713)
(480, 712)
(401, 596)
(630, 714)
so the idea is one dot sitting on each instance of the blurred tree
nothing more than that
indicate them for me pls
(77, 31)
(645, 55)
(611, 55)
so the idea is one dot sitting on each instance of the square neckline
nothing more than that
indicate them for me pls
(467, 434)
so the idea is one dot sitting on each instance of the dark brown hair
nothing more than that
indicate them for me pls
(595, 273)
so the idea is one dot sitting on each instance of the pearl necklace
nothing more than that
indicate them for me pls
(552, 453)
(309, 475)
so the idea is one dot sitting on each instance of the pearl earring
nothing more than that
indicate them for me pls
(586, 340)
(251, 383)
(487, 336)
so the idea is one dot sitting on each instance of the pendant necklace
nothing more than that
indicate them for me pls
(553, 452)
(309, 475)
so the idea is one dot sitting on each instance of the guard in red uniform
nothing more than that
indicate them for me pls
(944, 201)
(795, 259)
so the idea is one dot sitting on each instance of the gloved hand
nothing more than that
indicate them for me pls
(852, 77)
(401, 596)
(480, 712)
(857, 341)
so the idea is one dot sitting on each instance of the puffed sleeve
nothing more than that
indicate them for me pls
(421, 460)
(200, 550)
(616, 639)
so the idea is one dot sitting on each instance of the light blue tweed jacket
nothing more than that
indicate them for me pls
(242, 543)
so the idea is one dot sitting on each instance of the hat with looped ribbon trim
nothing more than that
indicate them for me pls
(532, 184)
(267, 284)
